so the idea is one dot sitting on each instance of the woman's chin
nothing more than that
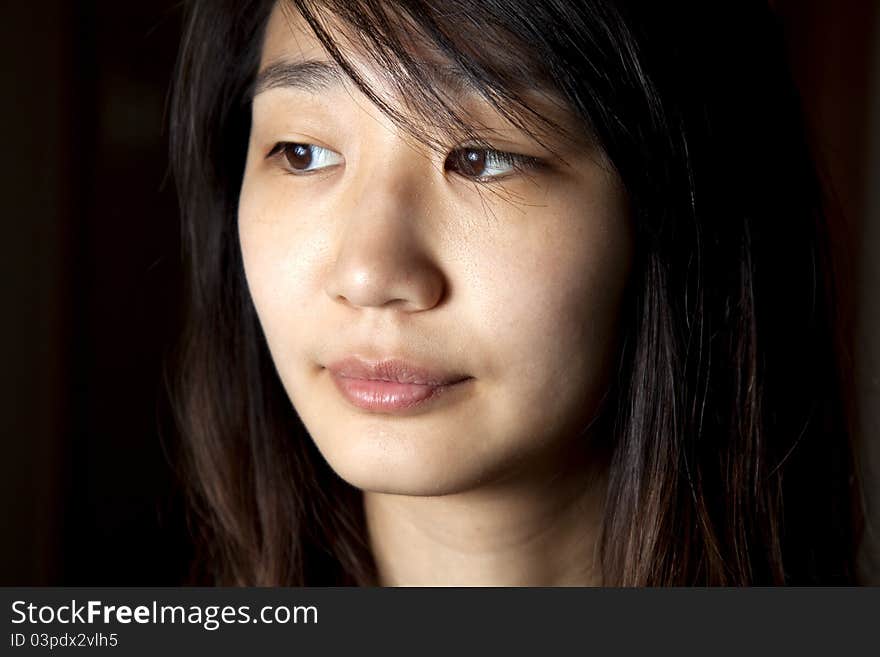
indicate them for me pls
(409, 471)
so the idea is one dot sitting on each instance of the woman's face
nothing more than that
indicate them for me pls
(360, 243)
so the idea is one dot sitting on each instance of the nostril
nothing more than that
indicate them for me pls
(388, 284)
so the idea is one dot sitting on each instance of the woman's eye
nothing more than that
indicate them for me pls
(486, 164)
(304, 158)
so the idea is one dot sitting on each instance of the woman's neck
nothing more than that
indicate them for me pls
(523, 531)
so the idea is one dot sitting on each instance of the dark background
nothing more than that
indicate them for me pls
(90, 277)
(91, 281)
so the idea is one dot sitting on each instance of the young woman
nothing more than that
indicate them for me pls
(500, 292)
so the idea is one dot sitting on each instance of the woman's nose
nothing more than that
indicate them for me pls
(382, 250)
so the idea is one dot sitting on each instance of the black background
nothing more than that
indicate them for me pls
(91, 294)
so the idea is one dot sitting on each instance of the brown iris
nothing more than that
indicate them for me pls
(467, 162)
(298, 156)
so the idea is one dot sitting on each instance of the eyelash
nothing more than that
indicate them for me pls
(516, 161)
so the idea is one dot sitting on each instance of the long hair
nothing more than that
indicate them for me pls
(731, 459)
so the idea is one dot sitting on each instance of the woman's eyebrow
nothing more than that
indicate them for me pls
(316, 75)
(319, 75)
(310, 75)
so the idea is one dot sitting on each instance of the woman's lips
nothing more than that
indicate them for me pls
(390, 385)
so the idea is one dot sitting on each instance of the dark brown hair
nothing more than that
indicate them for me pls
(731, 459)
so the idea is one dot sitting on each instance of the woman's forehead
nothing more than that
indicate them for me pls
(290, 42)
(294, 56)
(288, 36)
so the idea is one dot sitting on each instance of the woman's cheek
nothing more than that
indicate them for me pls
(555, 297)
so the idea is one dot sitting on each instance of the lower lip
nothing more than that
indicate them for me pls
(388, 396)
